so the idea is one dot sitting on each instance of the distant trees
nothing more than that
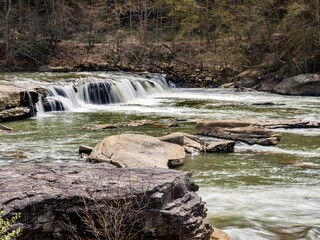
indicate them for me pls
(283, 32)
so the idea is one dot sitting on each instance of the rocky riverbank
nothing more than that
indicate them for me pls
(55, 199)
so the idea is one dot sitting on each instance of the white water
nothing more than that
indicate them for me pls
(99, 90)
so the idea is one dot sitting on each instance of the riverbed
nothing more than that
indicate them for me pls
(255, 193)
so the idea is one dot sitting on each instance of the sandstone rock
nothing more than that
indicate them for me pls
(193, 146)
(136, 151)
(15, 113)
(190, 143)
(282, 123)
(304, 84)
(140, 123)
(107, 126)
(219, 235)
(10, 96)
(16, 100)
(53, 198)
(176, 138)
(237, 130)
(221, 147)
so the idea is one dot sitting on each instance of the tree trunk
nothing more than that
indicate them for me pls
(7, 6)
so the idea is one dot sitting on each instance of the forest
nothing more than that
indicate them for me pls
(282, 36)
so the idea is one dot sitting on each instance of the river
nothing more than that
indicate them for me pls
(255, 193)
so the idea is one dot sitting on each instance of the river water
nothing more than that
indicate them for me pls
(255, 193)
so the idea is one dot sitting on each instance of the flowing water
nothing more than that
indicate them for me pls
(254, 193)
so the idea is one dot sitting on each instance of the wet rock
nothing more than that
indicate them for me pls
(176, 138)
(85, 150)
(15, 113)
(54, 198)
(304, 84)
(107, 126)
(16, 100)
(14, 154)
(282, 123)
(140, 123)
(221, 147)
(237, 130)
(136, 151)
(219, 235)
(5, 128)
(190, 143)
(193, 144)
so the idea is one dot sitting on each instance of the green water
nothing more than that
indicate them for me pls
(254, 193)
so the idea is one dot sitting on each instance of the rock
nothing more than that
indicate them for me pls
(227, 85)
(15, 114)
(141, 123)
(282, 123)
(248, 78)
(54, 69)
(107, 126)
(54, 199)
(10, 96)
(193, 146)
(16, 100)
(145, 151)
(85, 150)
(5, 128)
(221, 147)
(170, 122)
(14, 154)
(176, 138)
(219, 235)
(304, 84)
(164, 123)
(190, 143)
(237, 130)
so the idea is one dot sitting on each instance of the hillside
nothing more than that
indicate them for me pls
(204, 42)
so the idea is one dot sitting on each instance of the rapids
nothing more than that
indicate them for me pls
(255, 193)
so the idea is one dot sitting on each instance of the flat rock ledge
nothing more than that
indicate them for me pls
(238, 131)
(54, 199)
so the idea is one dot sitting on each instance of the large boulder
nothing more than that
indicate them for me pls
(237, 130)
(15, 113)
(55, 200)
(304, 84)
(17, 102)
(10, 96)
(136, 151)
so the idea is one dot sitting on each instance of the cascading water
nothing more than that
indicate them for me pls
(29, 102)
(95, 90)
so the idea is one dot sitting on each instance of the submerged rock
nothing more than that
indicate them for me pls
(136, 151)
(54, 199)
(5, 128)
(237, 130)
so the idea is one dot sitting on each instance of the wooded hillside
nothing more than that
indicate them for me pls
(273, 34)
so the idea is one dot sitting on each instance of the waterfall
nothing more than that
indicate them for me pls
(28, 99)
(39, 105)
(98, 90)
